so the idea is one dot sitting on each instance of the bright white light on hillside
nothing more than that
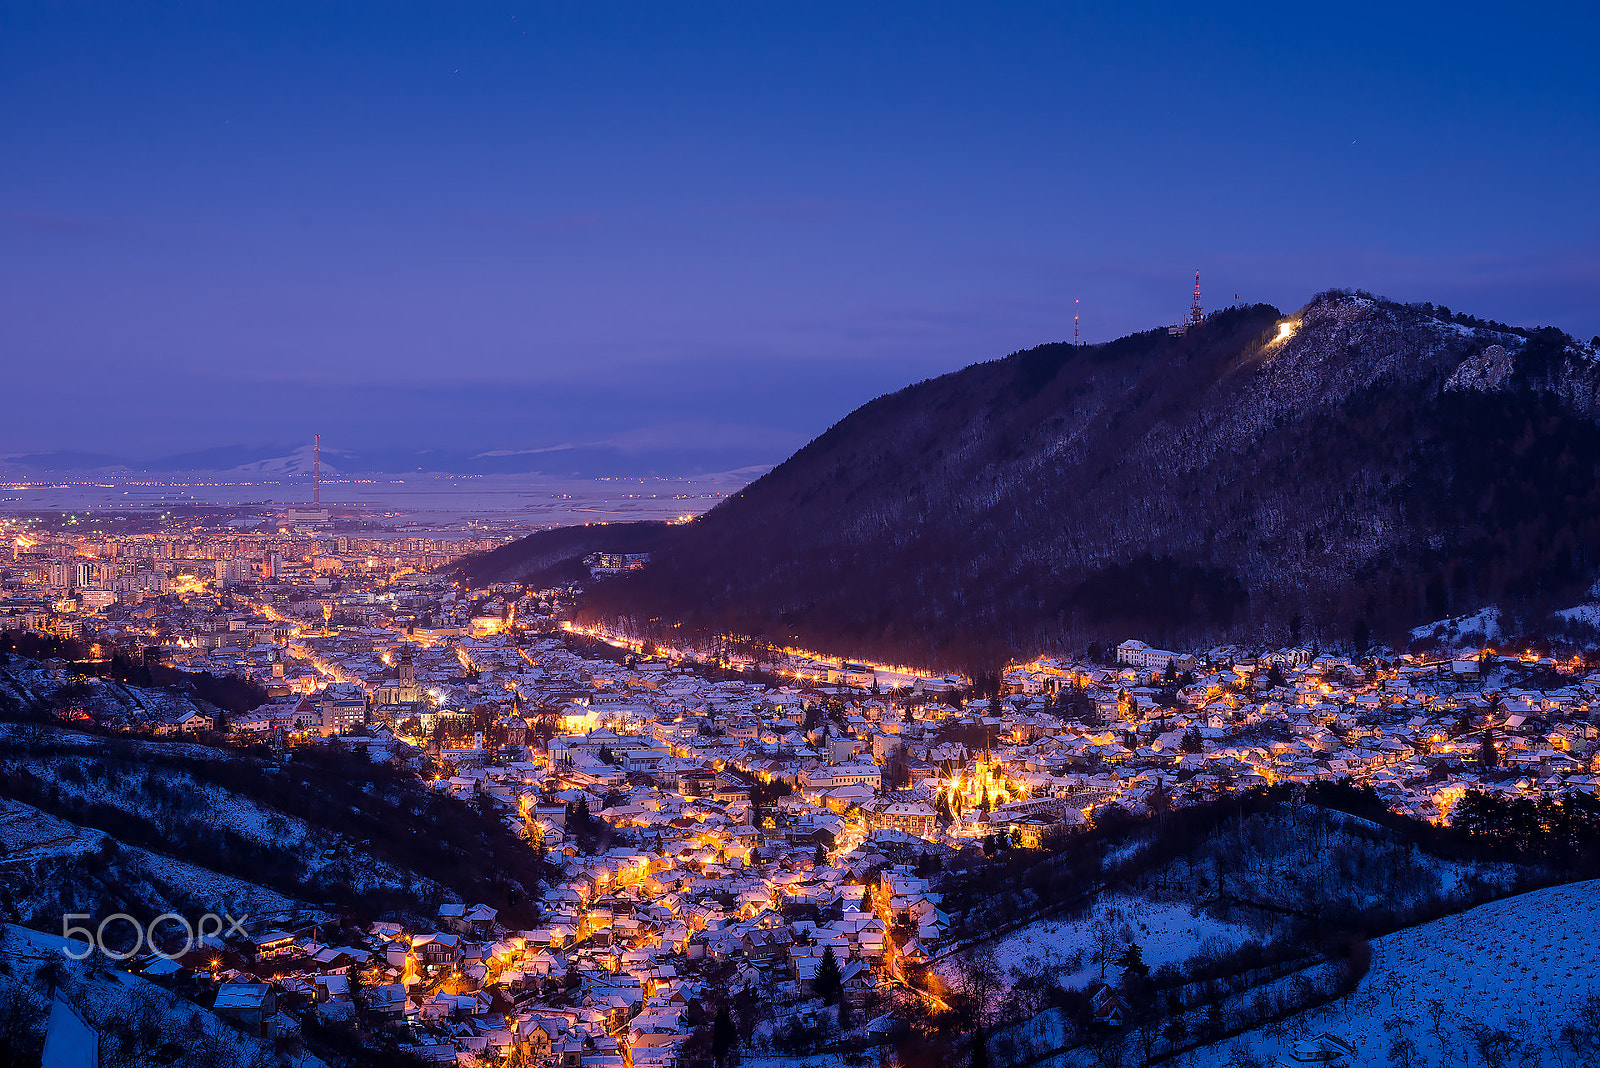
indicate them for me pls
(1285, 331)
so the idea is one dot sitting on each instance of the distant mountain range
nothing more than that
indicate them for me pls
(672, 450)
(1347, 471)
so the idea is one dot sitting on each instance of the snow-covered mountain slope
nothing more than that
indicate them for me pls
(1521, 966)
(297, 463)
(1328, 464)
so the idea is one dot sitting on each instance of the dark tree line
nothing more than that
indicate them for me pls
(1566, 827)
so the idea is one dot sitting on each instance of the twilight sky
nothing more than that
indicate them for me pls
(691, 234)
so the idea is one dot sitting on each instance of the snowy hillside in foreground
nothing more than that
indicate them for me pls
(55, 867)
(24, 684)
(189, 799)
(1258, 878)
(1522, 964)
(1166, 933)
(1241, 906)
(138, 1022)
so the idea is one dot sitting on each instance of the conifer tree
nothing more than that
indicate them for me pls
(1132, 961)
(829, 980)
(723, 1035)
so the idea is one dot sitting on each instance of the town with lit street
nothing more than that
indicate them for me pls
(767, 821)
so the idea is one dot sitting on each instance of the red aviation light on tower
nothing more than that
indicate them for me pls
(1196, 315)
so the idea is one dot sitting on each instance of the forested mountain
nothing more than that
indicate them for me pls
(1353, 468)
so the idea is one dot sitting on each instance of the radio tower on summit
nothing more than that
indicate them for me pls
(1196, 315)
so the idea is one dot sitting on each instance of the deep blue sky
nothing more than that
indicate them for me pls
(500, 227)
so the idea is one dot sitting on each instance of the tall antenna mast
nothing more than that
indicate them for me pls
(316, 458)
(1196, 316)
(1075, 341)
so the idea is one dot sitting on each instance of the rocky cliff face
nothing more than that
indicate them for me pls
(1489, 370)
(1355, 462)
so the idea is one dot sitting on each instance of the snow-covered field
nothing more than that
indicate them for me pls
(1485, 623)
(1166, 933)
(1521, 965)
(779, 1060)
(1583, 613)
(1470, 631)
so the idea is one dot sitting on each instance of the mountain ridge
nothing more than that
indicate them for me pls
(1327, 466)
